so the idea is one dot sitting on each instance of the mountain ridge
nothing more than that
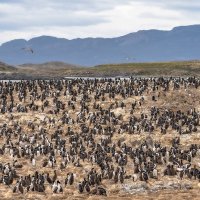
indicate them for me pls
(180, 43)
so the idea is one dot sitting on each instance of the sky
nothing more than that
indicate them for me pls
(92, 18)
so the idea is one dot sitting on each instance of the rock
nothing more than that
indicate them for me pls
(135, 188)
(186, 186)
(173, 185)
(159, 186)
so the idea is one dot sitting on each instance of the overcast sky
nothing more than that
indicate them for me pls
(92, 18)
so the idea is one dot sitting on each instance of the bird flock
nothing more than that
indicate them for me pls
(89, 134)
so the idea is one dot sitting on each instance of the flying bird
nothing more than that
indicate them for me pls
(28, 49)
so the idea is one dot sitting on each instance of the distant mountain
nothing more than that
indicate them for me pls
(179, 44)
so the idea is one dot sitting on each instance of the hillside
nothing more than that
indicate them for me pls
(49, 69)
(48, 65)
(186, 68)
(59, 70)
(6, 68)
(179, 44)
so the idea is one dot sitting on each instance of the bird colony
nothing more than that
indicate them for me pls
(99, 138)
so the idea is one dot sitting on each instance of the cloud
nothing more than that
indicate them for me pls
(177, 5)
(25, 15)
(91, 18)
